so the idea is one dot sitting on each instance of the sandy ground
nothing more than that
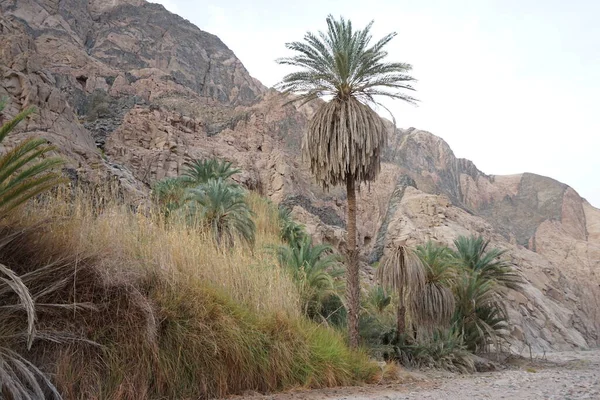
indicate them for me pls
(568, 375)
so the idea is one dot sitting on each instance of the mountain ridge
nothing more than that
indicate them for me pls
(129, 92)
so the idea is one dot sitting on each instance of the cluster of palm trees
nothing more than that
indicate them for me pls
(205, 195)
(460, 289)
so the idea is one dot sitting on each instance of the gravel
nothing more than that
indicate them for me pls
(568, 375)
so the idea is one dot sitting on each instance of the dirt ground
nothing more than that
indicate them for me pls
(567, 375)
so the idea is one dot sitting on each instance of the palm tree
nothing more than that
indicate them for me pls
(314, 268)
(222, 208)
(200, 171)
(401, 270)
(480, 314)
(345, 136)
(435, 304)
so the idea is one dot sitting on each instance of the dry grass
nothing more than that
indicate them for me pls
(149, 308)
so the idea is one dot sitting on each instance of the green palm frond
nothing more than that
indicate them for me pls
(314, 269)
(343, 62)
(170, 192)
(201, 171)
(24, 172)
(473, 254)
(223, 209)
(479, 313)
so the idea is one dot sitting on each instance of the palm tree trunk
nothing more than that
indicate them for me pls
(401, 322)
(352, 274)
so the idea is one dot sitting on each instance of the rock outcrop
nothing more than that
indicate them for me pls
(129, 92)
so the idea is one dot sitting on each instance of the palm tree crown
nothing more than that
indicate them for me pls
(345, 136)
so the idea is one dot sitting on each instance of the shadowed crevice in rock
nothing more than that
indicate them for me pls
(327, 215)
(402, 183)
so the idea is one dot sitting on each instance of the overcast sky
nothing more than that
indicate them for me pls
(512, 85)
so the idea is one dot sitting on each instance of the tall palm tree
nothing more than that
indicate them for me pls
(435, 304)
(402, 271)
(223, 209)
(345, 137)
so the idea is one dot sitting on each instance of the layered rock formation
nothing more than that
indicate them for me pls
(129, 91)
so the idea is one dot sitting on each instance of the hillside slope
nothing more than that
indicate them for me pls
(129, 91)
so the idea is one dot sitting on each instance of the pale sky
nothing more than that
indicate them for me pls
(512, 85)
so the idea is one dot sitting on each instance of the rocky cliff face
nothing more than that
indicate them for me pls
(129, 91)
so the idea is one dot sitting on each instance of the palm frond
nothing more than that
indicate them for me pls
(201, 171)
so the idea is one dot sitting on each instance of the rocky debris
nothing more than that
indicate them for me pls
(129, 92)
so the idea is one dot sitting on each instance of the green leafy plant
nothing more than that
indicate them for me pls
(25, 171)
(292, 232)
(314, 268)
(222, 208)
(169, 193)
(444, 349)
(345, 137)
(484, 278)
(201, 171)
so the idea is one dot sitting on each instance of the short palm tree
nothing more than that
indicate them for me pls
(291, 231)
(479, 315)
(402, 271)
(484, 277)
(222, 208)
(200, 171)
(345, 137)
(435, 304)
(314, 268)
(169, 193)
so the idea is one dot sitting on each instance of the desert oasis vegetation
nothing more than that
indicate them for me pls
(171, 228)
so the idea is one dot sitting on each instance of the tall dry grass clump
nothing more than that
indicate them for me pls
(132, 305)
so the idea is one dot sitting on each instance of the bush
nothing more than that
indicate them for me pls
(444, 349)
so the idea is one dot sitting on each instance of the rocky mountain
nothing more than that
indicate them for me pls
(129, 91)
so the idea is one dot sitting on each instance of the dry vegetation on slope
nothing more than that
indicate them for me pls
(132, 306)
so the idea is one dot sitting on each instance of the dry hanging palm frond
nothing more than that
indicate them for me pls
(402, 271)
(434, 305)
(345, 138)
